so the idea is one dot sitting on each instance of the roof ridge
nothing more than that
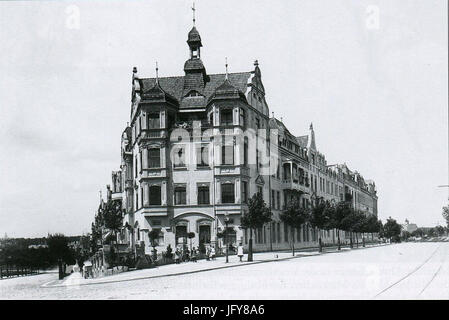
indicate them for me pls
(209, 74)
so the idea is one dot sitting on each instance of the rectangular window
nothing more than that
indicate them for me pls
(227, 155)
(180, 195)
(137, 201)
(155, 195)
(273, 199)
(244, 192)
(135, 166)
(141, 196)
(179, 155)
(227, 193)
(245, 151)
(226, 117)
(279, 231)
(202, 156)
(285, 232)
(203, 195)
(242, 117)
(154, 121)
(140, 161)
(278, 200)
(154, 158)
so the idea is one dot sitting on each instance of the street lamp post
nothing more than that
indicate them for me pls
(226, 221)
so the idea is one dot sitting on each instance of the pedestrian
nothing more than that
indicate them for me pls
(177, 256)
(240, 252)
(193, 255)
(208, 253)
(212, 253)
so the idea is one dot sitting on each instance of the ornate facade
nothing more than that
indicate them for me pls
(199, 145)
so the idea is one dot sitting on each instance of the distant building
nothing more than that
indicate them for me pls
(409, 227)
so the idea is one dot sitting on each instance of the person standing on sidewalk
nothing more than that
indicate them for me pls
(240, 252)
(212, 253)
(177, 256)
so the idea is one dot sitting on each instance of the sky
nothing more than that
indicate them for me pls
(370, 75)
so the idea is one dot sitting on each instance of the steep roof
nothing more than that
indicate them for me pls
(174, 86)
(227, 91)
(302, 141)
(157, 94)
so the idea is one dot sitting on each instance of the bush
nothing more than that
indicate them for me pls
(143, 262)
(168, 254)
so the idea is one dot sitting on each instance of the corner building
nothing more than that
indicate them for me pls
(198, 146)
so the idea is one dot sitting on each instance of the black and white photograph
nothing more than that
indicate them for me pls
(233, 150)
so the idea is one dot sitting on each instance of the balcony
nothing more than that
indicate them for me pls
(290, 184)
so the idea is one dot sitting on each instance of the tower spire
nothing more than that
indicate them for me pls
(193, 11)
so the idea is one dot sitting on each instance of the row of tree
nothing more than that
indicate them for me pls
(52, 249)
(437, 231)
(323, 215)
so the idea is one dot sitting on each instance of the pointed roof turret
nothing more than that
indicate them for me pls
(156, 93)
(311, 143)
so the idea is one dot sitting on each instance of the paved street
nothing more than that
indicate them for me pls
(399, 271)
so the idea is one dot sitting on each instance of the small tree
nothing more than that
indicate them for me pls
(320, 217)
(349, 223)
(153, 235)
(446, 214)
(59, 251)
(113, 219)
(257, 215)
(339, 213)
(371, 225)
(392, 229)
(294, 215)
(360, 225)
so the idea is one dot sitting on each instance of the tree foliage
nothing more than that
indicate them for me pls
(58, 247)
(294, 214)
(112, 215)
(446, 214)
(321, 215)
(392, 229)
(258, 213)
(153, 235)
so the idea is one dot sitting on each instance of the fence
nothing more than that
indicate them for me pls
(7, 271)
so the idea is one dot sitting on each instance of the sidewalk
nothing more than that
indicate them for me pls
(193, 267)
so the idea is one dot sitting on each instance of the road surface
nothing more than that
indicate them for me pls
(398, 271)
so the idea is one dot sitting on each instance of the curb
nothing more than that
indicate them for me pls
(62, 285)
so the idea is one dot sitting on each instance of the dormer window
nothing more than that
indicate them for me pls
(193, 93)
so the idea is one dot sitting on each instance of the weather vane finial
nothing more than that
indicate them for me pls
(193, 10)
(157, 74)
(226, 65)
